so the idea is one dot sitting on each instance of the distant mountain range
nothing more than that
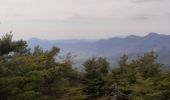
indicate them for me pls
(111, 48)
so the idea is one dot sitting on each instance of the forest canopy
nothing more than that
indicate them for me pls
(26, 75)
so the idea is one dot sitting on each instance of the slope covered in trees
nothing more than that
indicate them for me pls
(111, 48)
(37, 75)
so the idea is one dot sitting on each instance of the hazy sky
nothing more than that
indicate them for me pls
(63, 19)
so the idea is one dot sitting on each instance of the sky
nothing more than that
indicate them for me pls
(83, 19)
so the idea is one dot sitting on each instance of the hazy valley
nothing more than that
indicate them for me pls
(111, 48)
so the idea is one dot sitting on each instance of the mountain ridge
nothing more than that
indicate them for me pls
(112, 48)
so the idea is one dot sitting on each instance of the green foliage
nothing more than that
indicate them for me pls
(94, 77)
(138, 79)
(7, 45)
(35, 76)
(26, 75)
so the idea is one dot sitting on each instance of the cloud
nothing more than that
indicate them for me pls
(143, 16)
(82, 18)
(143, 1)
(168, 14)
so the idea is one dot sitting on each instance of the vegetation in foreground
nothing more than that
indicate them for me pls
(36, 75)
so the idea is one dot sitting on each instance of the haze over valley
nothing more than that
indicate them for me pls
(111, 48)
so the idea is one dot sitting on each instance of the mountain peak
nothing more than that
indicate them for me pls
(133, 37)
(152, 34)
(34, 38)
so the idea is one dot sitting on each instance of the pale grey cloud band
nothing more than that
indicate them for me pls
(83, 18)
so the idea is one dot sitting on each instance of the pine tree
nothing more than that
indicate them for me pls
(94, 77)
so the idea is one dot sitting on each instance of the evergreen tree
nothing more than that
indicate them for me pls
(35, 76)
(95, 71)
(135, 80)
